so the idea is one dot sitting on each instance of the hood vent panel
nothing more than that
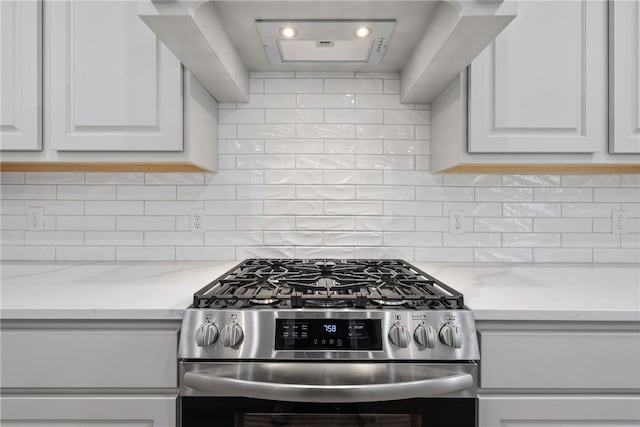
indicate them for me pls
(325, 41)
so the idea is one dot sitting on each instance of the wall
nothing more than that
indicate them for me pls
(321, 165)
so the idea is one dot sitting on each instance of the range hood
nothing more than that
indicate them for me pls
(428, 42)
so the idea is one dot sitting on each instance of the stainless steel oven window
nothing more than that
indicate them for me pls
(328, 420)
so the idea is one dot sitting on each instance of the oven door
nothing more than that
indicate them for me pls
(328, 394)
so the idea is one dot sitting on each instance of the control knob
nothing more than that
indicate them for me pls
(451, 335)
(399, 335)
(425, 336)
(232, 335)
(206, 334)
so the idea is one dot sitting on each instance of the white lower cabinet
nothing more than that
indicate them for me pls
(88, 373)
(559, 374)
(88, 411)
(559, 411)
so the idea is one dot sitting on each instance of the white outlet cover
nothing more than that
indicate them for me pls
(618, 222)
(35, 218)
(456, 222)
(197, 219)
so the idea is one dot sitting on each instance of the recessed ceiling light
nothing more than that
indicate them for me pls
(288, 32)
(362, 32)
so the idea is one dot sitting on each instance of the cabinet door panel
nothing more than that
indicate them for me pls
(558, 411)
(20, 75)
(541, 86)
(89, 411)
(112, 85)
(624, 75)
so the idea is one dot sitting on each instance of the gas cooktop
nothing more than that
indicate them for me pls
(327, 283)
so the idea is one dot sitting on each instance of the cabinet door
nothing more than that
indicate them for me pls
(541, 86)
(20, 75)
(88, 411)
(111, 85)
(624, 76)
(558, 411)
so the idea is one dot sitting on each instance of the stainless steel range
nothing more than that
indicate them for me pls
(328, 342)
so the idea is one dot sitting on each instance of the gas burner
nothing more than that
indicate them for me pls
(327, 283)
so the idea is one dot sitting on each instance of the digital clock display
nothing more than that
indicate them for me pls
(328, 334)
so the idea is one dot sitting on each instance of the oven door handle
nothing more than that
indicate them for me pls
(417, 388)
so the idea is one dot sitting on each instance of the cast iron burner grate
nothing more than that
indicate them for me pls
(327, 283)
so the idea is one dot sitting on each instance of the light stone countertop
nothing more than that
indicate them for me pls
(162, 290)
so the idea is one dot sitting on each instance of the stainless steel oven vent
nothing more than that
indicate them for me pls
(308, 41)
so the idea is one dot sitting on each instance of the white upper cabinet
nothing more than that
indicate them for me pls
(20, 73)
(624, 76)
(111, 85)
(541, 86)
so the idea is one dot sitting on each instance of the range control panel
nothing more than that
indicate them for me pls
(328, 334)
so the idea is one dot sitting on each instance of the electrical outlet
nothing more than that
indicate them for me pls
(34, 219)
(618, 222)
(197, 220)
(456, 222)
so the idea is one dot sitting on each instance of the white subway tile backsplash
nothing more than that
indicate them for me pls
(352, 208)
(56, 238)
(293, 207)
(308, 100)
(325, 161)
(241, 146)
(353, 86)
(325, 223)
(146, 192)
(411, 208)
(53, 178)
(562, 225)
(365, 161)
(298, 176)
(531, 180)
(264, 192)
(532, 209)
(233, 238)
(353, 116)
(563, 194)
(385, 223)
(292, 238)
(299, 146)
(85, 253)
(503, 255)
(385, 131)
(630, 195)
(379, 192)
(504, 194)
(267, 131)
(320, 164)
(296, 85)
(412, 238)
(626, 255)
(329, 131)
(144, 223)
(114, 238)
(298, 115)
(354, 238)
(325, 192)
(20, 191)
(241, 116)
(97, 222)
(352, 177)
(265, 222)
(353, 146)
(110, 207)
(145, 253)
